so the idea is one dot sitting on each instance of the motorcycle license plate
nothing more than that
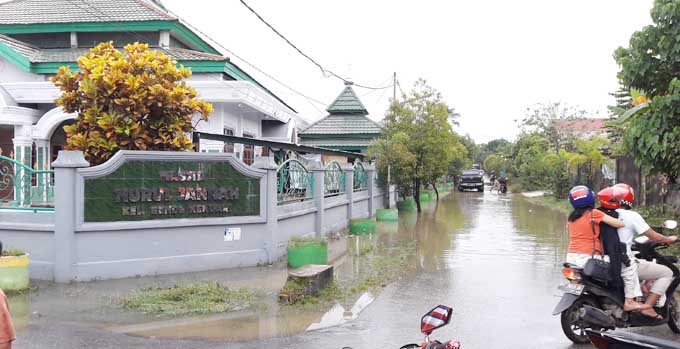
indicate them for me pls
(575, 289)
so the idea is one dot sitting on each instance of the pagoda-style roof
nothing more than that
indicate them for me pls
(77, 11)
(342, 124)
(347, 103)
(348, 116)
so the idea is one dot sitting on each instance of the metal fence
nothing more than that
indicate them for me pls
(24, 188)
(334, 179)
(294, 182)
(360, 177)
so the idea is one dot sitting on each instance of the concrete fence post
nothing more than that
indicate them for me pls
(318, 174)
(370, 178)
(65, 173)
(272, 202)
(348, 170)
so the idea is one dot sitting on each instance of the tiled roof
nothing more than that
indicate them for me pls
(337, 124)
(580, 125)
(59, 55)
(347, 103)
(336, 142)
(79, 11)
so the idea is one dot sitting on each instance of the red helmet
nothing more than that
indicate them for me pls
(628, 197)
(610, 198)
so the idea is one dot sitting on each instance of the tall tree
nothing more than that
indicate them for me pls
(650, 64)
(420, 124)
(135, 99)
(546, 119)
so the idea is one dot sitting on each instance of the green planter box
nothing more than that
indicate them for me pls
(406, 205)
(301, 254)
(362, 226)
(387, 215)
(14, 273)
(426, 196)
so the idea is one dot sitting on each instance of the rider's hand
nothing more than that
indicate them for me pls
(671, 240)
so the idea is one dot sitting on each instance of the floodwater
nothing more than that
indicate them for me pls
(494, 259)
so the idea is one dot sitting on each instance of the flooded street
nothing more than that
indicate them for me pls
(495, 259)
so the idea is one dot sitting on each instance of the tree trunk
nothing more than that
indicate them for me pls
(416, 194)
(434, 186)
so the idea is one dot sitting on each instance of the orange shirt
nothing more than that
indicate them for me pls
(581, 233)
(6, 328)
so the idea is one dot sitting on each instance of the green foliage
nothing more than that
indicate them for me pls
(544, 119)
(496, 163)
(135, 99)
(299, 241)
(198, 298)
(418, 142)
(12, 252)
(649, 65)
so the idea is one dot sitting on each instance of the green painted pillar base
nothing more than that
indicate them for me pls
(300, 255)
(362, 226)
(387, 214)
(14, 273)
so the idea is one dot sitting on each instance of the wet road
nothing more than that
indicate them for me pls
(495, 259)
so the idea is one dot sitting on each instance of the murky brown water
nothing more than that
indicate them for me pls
(495, 259)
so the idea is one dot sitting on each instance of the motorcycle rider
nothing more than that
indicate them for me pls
(646, 270)
(584, 226)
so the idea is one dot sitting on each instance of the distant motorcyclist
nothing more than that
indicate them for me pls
(492, 177)
(646, 270)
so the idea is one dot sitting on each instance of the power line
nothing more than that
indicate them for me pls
(244, 60)
(143, 39)
(324, 71)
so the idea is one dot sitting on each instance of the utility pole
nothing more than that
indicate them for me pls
(394, 88)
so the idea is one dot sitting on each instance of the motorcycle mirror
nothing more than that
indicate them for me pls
(435, 318)
(670, 224)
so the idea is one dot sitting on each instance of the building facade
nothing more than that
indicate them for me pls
(39, 36)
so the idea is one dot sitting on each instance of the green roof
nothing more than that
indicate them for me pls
(347, 103)
(337, 142)
(342, 124)
(80, 11)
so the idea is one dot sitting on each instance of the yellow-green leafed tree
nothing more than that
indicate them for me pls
(131, 99)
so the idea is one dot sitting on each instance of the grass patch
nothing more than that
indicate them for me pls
(377, 272)
(205, 297)
(552, 202)
(299, 241)
(12, 252)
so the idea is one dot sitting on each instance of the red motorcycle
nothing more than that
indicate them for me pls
(432, 320)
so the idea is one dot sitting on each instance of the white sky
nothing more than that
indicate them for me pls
(490, 59)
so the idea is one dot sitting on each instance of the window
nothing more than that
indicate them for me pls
(45, 40)
(248, 150)
(228, 147)
(120, 39)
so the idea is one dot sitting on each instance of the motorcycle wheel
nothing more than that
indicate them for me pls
(674, 313)
(571, 324)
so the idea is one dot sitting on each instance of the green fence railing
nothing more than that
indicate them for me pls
(360, 177)
(334, 179)
(25, 188)
(294, 182)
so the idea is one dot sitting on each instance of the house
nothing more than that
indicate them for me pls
(346, 127)
(39, 36)
(581, 128)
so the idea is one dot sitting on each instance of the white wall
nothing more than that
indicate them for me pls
(11, 73)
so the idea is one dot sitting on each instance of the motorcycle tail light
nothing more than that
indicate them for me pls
(571, 274)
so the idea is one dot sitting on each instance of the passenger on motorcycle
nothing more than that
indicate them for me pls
(584, 236)
(610, 199)
(636, 225)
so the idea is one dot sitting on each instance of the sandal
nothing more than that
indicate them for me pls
(637, 307)
(656, 316)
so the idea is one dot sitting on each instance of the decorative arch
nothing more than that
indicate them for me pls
(49, 122)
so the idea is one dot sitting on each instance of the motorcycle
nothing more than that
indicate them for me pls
(436, 318)
(503, 181)
(587, 303)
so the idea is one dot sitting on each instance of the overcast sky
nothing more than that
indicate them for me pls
(490, 59)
